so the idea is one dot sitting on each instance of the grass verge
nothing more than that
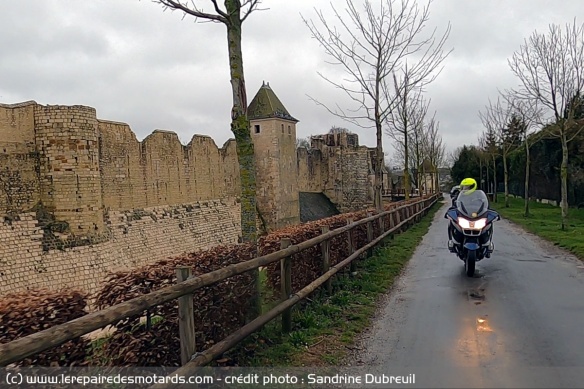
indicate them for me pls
(545, 221)
(325, 327)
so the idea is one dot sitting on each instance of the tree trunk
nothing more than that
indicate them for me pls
(481, 174)
(418, 163)
(240, 126)
(243, 140)
(506, 180)
(527, 167)
(422, 178)
(564, 179)
(495, 178)
(488, 178)
(406, 168)
(378, 200)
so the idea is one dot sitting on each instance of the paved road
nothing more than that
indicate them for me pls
(518, 323)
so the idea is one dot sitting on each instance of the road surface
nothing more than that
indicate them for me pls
(519, 323)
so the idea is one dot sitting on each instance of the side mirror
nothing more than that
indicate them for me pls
(498, 217)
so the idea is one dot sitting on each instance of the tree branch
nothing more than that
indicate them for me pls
(221, 17)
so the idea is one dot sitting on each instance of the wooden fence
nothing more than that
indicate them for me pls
(400, 193)
(399, 218)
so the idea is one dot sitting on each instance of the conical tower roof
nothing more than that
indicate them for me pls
(267, 105)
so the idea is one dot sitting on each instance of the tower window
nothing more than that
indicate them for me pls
(257, 128)
(289, 130)
(282, 128)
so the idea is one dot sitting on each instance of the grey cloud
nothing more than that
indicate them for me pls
(137, 64)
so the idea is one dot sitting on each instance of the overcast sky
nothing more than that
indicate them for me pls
(151, 69)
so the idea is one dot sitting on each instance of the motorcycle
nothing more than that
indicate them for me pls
(471, 229)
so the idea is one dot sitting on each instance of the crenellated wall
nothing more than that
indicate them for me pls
(81, 196)
(337, 166)
(160, 170)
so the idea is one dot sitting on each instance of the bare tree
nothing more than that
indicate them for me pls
(484, 160)
(550, 68)
(405, 127)
(419, 140)
(434, 149)
(339, 130)
(303, 142)
(496, 118)
(453, 156)
(489, 144)
(529, 113)
(232, 15)
(370, 47)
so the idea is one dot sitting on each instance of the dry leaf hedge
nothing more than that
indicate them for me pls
(307, 265)
(25, 313)
(220, 309)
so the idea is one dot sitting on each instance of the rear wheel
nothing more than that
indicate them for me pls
(470, 262)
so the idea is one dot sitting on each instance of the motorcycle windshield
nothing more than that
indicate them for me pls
(473, 204)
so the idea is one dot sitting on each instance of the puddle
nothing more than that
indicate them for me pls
(476, 294)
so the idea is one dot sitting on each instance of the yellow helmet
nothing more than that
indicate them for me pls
(468, 185)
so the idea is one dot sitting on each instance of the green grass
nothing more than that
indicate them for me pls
(545, 221)
(324, 327)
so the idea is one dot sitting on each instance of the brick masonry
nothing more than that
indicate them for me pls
(134, 238)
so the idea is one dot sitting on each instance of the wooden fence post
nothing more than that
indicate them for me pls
(381, 226)
(326, 258)
(369, 236)
(186, 318)
(286, 283)
(351, 247)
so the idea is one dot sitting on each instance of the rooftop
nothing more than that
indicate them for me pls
(266, 105)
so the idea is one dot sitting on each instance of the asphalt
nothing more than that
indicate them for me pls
(519, 323)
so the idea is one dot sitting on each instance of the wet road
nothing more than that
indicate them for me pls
(519, 323)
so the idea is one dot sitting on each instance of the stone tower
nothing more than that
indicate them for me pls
(273, 131)
(70, 180)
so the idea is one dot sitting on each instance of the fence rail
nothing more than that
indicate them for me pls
(35, 343)
(400, 193)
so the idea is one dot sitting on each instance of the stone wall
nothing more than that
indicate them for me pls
(80, 197)
(160, 170)
(134, 238)
(338, 167)
(19, 183)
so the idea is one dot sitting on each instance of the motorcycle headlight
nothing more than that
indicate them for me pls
(480, 224)
(464, 223)
(472, 225)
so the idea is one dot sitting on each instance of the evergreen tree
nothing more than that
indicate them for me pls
(467, 164)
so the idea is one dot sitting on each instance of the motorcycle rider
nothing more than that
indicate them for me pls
(454, 192)
(467, 186)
